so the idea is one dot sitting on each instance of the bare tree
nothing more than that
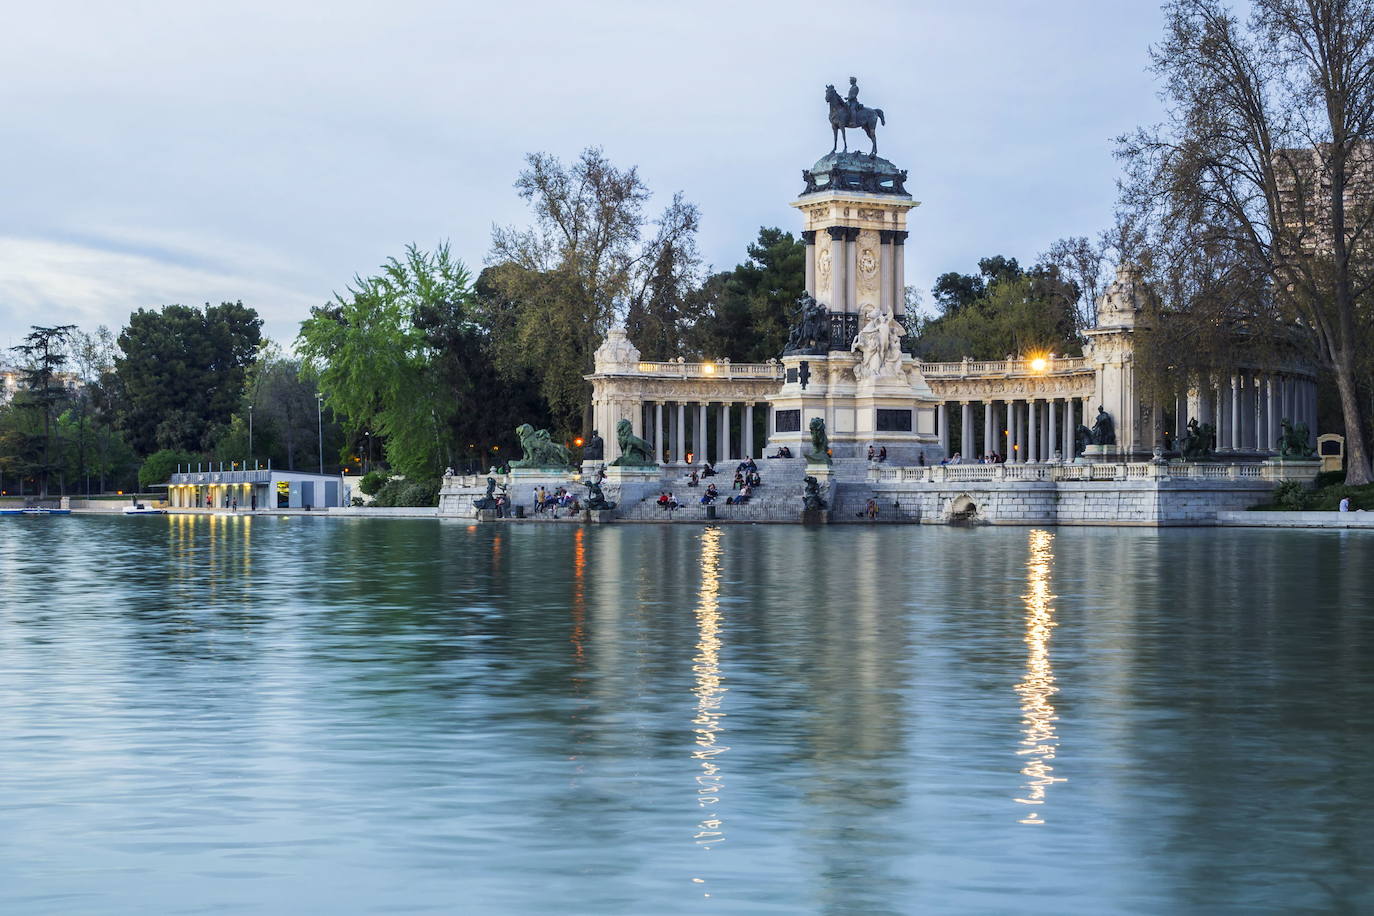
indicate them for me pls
(1083, 263)
(1266, 160)
(560, 283)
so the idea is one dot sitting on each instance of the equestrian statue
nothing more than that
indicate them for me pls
(847, 113)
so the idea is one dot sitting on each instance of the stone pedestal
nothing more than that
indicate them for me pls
(815, 516)
(1302, 469)
(627, 486)
(1098, 454)
(598, 516)
(890, 413)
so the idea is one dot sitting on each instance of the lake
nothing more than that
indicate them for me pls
(358, 715)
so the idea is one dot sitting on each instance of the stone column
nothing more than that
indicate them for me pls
(699, 442)
(1070, 428)
(851, 269)
(658, 432)
(1312, 413)
(1015, 453)
(749, 429)
(989, 437)
(680, 448)
(885, 248)
(1235, 414)
(723, 440)
(1032, 433)
(1054, 430)
(899, 272)
(809, 237)
(966, 447)
(1010, 427)
(837, 262)
(942, 423)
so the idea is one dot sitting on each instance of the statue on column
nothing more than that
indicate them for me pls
(595, 449)
(879, 343)
(810, 331)
(1104, 432)
(846, 113)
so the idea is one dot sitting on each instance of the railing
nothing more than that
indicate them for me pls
(714, 369)
(1005, 367)
(1134, 470)
(208, 477)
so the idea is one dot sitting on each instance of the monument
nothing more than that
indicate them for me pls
(844, 361)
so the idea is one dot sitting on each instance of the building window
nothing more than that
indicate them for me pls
(787, 421)
(894, 421)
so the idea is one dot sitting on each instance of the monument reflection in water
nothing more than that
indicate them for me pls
(1038, 716)
(247, 714)
(709, 690)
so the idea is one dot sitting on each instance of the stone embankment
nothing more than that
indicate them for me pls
(1342, 520)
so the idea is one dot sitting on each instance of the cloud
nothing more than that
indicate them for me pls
(47, 281)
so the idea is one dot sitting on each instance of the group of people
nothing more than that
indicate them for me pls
(561, 498)
(877, 454)
(990, 458)
(782, 452)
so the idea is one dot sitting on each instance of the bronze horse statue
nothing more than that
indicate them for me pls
(865, 119)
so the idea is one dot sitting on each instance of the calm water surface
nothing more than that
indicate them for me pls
(288, 715)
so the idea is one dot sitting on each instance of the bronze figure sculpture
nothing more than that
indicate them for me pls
(848, 113)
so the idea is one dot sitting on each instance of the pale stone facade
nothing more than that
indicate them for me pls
(1025, 410)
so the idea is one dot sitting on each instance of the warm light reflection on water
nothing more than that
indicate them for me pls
(708, 690)
(1037, 712)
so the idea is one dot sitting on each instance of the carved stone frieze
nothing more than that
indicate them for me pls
(632, 389)
(975, 389)
(869, 263)
(822, 267)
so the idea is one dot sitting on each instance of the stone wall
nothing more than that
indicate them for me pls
(1144, 502)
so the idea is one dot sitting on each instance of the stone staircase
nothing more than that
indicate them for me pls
(778, 499)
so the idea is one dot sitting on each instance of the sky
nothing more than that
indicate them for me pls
(156, 152)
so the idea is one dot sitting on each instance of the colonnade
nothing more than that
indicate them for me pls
(1247, 409)
(704, 429)
(1022, 430)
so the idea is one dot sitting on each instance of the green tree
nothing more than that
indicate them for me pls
(1264, 163)
(376, 364)
(1013, 311)
(181, 373)
(747, 310)
(162, 464)
(44, 352)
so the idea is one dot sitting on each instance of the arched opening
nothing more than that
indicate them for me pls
(963, 509)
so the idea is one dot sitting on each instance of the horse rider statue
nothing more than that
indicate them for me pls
(847, 114)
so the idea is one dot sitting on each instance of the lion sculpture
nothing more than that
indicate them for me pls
(540, 451)
(820, 443)
(634, 451)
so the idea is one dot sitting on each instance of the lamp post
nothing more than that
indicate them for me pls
(319, 422)
(250, 434)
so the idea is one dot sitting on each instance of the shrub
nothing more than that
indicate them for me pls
(159, 466)
(1329, 499)
(372, 483)
(1291, 496)
(402, 492)
(1330, 479)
